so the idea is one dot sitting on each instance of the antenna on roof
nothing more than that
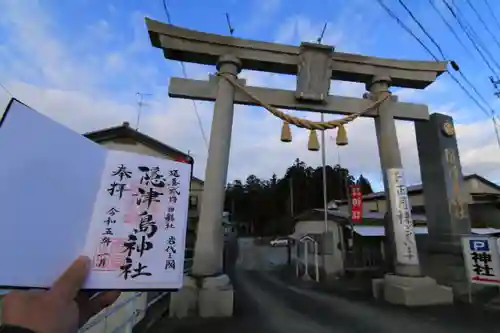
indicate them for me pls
(140, 104)
(228, 21)
(320, 38)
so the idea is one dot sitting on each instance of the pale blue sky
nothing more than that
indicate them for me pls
(81, 62)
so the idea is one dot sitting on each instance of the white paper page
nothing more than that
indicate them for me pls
(137, 233)
(49, 177)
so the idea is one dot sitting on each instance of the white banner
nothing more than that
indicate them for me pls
(402, 222)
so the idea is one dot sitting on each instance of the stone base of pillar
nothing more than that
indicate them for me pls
(415, 291)
(183, 302)
(448, 269)
(216, 297)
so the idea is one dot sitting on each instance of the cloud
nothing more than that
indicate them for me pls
(87, 93)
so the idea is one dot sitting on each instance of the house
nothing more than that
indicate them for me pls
(482, 196)
(344, 247)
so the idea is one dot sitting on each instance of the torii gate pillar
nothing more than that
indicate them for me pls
(208, 250)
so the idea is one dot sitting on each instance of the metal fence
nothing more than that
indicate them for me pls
(129, 320)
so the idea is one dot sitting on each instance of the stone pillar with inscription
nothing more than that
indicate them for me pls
(406, 285)
(446, 200)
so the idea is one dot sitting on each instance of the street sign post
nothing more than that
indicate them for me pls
(482, 259)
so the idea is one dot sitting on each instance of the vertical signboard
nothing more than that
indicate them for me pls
(356, 204)
(404, 236)
(482, 259)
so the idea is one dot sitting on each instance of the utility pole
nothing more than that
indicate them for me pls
(494, 119)
(347, 188)
(291, 197)
(140, 104)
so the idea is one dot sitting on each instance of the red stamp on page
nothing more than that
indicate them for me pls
(110, 255)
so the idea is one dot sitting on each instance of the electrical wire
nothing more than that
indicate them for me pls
(471, 38)
(407, 29)
(167, 12)
(492, 13)
(450, 27)
(481, 107)
(483, 23)
(414, 18)
(6, 90)
(422, 28)
(184, 73)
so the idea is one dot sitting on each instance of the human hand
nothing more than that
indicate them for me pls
(61, 309)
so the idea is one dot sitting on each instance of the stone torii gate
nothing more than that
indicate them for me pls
(315, 66)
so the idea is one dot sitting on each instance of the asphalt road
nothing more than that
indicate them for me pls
(285, 308)
(266, 304)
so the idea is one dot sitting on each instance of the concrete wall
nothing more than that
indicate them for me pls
(312, 227)
(260, 257)
(330, 256)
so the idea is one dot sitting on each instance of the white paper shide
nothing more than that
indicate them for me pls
(404, 236)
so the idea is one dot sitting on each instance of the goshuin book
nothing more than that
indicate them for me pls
(62, 195)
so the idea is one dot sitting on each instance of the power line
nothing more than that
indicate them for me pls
(481, 107)
(6, 90)
(184, 72)
(167, 12)
(392, 14)
(478, 40)
(492, 13)
(408, 30)
(471, 39)
(454, 65)
(450, 27)
(140, 104)
(422, 28)
(482, 22)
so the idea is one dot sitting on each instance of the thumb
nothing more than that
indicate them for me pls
(71, 281)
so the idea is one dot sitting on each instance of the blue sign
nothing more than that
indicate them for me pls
(479, 245)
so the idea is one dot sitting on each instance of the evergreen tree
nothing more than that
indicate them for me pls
(266, 205)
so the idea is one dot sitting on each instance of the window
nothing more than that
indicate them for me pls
(418, 209)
